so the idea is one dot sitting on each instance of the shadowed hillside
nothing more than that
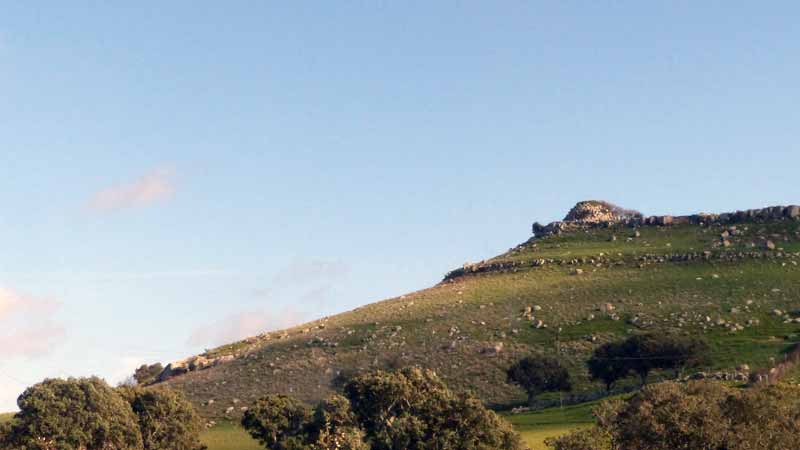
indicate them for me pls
(605, 273)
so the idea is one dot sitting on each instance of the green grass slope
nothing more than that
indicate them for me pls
(470, 328)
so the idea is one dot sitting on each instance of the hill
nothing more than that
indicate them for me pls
(601, 274)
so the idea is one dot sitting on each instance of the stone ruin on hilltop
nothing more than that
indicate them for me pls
(597, 213)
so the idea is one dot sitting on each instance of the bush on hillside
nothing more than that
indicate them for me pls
(697, 415)
(73, 414)
(539, 374)
(167, 421)
(646, 352)
(413, 409)
(278, 422)
(146, 375)
(643, 353)
(336, 427)
(591, 439)
(410, 409)
(608, 364)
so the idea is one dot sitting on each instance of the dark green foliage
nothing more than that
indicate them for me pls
(279, 422)
(167, 421)
(335, 426)
(673, 416)
(146, 375)
(470, 425)
(406, 410)
(6, 438)
(74, 414)
(412, 409)
(538, 374)
(694, 416)
(608, 363)
(647, 352)
(343, 377)
(591, 439)
(282, 423)
(644, 353)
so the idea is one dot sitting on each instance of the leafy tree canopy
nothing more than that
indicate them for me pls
(538, 374)
(167, 421)
(697, 415)
(410, 409)
(73, 414)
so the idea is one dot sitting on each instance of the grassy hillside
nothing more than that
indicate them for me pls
(471, 327)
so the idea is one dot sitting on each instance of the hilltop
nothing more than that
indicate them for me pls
(600, 274)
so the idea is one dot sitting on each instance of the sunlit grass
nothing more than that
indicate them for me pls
(228, 436)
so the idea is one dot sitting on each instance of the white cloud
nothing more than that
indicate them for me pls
(27, 326)
(245, 324)
(156, 186)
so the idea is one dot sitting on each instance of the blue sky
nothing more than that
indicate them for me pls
(177, 175)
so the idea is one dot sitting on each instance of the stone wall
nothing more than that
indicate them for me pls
(751, 215)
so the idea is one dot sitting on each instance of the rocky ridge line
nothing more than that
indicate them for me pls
(592, 214)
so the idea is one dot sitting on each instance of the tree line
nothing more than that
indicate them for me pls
(412, 409)
(613, 361)
(88, 414)
(698, 415)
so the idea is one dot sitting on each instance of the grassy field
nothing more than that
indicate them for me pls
(537, 426)
(228, 436)
(534, 428)
(5, 417)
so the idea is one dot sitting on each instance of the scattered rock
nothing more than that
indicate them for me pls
(494, 350)
(607, 307)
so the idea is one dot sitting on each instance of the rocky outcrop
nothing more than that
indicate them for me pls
(594, 213)
(598, 211)
(192, 364)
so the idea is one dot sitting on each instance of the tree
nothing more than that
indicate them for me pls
(685, 352)
(608, 364)
(672, 416)
(697, 415)
(336, 427)
(412, 409)
(6, 438)
(167, 421)
(279, 422)
(538, 374)
(146, 375)
(764, 417)
(646, 352)
(73, 414)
